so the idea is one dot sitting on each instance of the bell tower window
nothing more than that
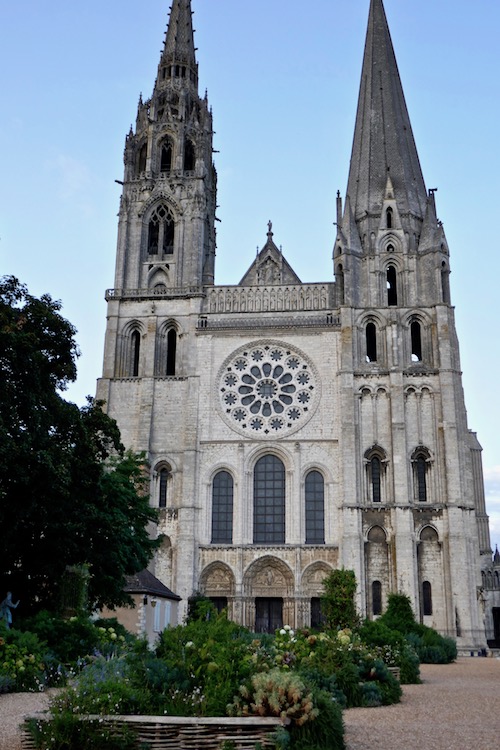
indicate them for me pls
(189, 156)
(392, 292)
(371, 342)
(161, 232)
(388, 218)
(416, 341)
(171, 351)
(166, 156)
(142, 160)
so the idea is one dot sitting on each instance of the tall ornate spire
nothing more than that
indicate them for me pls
(383, 139)
(179, 47)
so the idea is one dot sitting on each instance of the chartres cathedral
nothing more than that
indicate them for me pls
(293, 428)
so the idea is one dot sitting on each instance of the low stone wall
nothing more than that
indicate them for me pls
(198, 733)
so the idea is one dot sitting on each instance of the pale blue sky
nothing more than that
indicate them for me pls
(283, 83)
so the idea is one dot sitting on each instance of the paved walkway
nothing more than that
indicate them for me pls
(456, 708)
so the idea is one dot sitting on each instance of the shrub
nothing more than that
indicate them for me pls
(326, 730)
(22, 665)
(275, 693)
(65, 732)
(393, 648)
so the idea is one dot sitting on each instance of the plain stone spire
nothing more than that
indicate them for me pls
(383, 139)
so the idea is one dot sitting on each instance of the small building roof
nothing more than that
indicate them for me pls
(145, 582)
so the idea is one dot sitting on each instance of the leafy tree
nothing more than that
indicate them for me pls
(337, 601)
(69, 493)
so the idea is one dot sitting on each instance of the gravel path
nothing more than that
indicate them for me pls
(456, 708)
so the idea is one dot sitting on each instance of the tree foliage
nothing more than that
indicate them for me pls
(69, 493)
(337, 602)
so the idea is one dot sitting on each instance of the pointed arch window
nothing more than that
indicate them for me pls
(164, 475)
(371, 342)
(189, 156)
(421, 464)
(161, 231)
(427, 598)
(416, 341)
(389, 218)
(375, 471)
(315, 508)
(166, 156)
(171, 351)
(135, 351)
(222, 508)
(269, 501)
(392, 292)
(377, 598)
(142, 159)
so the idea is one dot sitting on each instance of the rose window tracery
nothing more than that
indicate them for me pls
(267, 389)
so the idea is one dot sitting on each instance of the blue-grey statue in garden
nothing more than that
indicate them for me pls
(5, 609)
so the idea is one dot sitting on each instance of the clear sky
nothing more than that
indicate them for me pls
(282, 78)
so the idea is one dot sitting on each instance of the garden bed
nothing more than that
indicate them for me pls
(175, 732)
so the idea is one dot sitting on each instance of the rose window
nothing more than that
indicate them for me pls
(267, 390)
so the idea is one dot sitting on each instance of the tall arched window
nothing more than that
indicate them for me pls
(375, 468)
(420, 460)
(142, 159)
(427, 598)
(269, 501)
(388, 218)
(189, 156)
(416, 341)
(371, 342)
(135, 350)
(171, 351)
(222, 508)
(376, 598)
(392, 292)
(166, 156)
(163, 477)
(315, 508)
(161, 231)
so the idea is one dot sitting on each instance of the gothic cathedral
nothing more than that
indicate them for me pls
(295, 428)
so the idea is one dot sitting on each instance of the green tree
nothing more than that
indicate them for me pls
(337, 601)
(69, 493)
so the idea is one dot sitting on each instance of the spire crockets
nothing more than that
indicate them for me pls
(178, 59)
(383, 140)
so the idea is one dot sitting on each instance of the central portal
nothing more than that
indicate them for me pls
(268, 614)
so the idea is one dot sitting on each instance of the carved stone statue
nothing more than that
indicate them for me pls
(5, 609)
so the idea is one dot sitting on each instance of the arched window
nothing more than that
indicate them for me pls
(420, 461)
(135, 350)
(392, 292)
(222, 508)
(171, 351)
(427, 598)
(388, 218)
(142, 159)
(315, 508)
(375, 468)
(161, 231)
(166, 156)
(189, 156)
(376, 598)
(416, 341)
(371, 342)
(163, 479)
(269, 501)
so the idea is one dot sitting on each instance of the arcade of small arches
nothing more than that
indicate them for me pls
(417, 339)
(490, 579)
(376, 469)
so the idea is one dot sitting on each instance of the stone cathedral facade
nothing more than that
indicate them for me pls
(293, 428)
